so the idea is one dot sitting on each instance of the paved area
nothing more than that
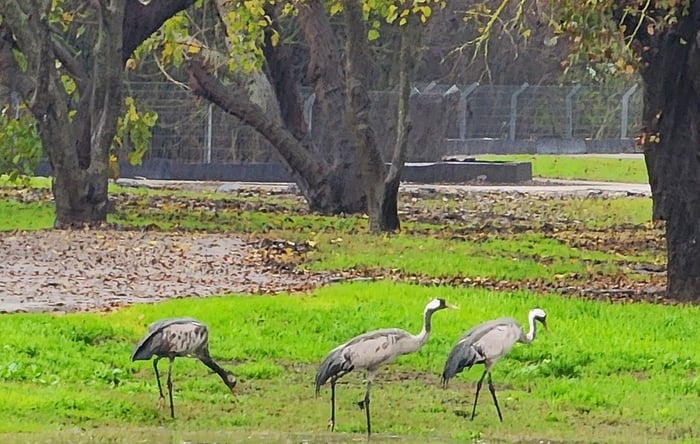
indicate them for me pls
(536, 186)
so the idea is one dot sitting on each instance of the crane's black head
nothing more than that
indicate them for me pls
(230, 381)
(438, 304)
(539, 315)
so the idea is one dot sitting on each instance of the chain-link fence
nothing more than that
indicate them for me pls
(190, 130)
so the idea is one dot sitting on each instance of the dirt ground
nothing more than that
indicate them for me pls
(80, 270)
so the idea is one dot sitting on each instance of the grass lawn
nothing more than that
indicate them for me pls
(605, 169)
(611, 373)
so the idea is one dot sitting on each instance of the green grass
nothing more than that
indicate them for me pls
(26, 215)
(521, 257)
(594, 168)
(612, 373)
(33, 182)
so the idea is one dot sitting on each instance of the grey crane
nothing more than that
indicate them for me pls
(170, 338)
(370, 351)
(486, 344)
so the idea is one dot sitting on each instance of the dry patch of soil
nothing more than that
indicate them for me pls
(78, 270)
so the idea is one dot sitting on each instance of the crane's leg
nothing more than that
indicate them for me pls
(331, 423)
(170, 386)
(161, 400)
(364, 404)
(492, 389)
(478, 388)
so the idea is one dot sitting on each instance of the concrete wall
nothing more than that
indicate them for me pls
(437, 172)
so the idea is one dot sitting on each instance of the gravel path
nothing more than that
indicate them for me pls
(55, 270)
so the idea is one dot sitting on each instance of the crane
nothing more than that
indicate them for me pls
(370, 351)
(486, 344)
(170, 338)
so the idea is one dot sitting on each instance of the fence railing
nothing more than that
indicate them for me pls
(191, 130)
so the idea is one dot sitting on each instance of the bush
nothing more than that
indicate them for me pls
(20, 146)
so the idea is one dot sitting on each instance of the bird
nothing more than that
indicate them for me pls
(369, 351)
(486, 344)
(171, 338)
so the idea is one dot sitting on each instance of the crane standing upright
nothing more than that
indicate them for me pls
(370, 351)
(486, 344)
(170, 338)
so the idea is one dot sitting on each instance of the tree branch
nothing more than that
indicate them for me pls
(11, 76)
(70, 63)
(210, 88)
(107, 78)
(409, 43)
(140, 21)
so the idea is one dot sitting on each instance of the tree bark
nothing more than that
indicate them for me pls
(671, 142)
(140, 21)
(280, 65)
(372, 165)
(332, 131)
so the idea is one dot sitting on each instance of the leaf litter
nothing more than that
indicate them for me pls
(78, 270)
(101, 269)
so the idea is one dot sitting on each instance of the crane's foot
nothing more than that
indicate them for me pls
(161, 403)
(331, 424)
(361, 405)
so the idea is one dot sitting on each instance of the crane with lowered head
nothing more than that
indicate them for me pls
(170, 338)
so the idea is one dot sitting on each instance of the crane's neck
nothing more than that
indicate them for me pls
(530, 336)
(424, 334)
(209, 362)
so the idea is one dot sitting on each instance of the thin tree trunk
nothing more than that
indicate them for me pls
(407, 59)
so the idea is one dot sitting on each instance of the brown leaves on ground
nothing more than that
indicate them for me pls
(98, 269)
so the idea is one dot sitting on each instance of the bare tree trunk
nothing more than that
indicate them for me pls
(358, 110)
(77, 145)
(671, 143)
(381, 186)
(332, 139)
(280, 64)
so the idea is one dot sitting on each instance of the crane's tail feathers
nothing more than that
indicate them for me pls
(462, 356)
(333, 366)
(141, 352)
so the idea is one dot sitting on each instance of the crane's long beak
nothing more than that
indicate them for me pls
(454, 307)
(544, 324)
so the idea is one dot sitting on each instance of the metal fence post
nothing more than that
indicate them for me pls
(570, 111)
(463, 109)
(208, 134)
(624, 114)
(514, 110)
(309, 111)
(430, 86)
